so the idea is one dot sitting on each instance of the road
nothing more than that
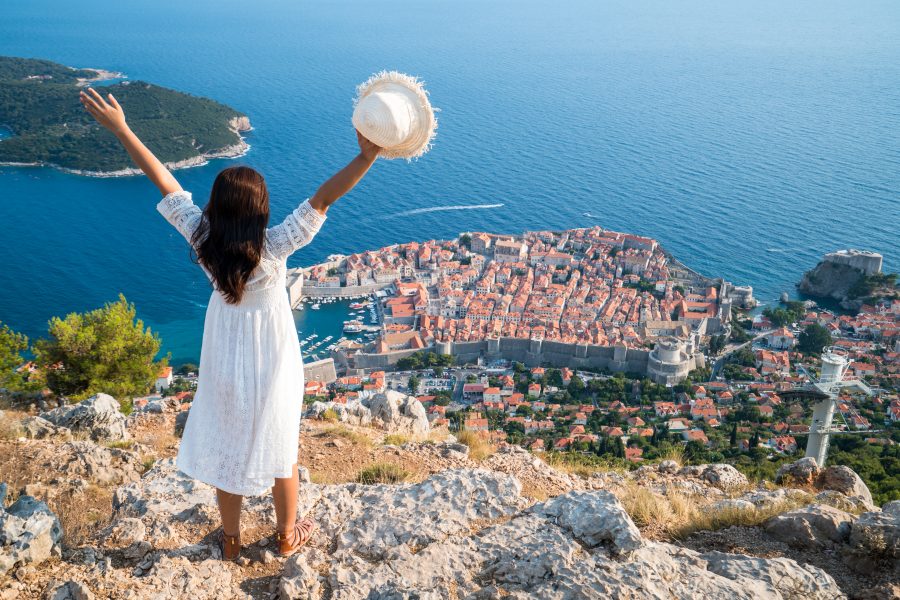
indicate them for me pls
(729, 350)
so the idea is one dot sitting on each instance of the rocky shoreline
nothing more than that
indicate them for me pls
(101, 75)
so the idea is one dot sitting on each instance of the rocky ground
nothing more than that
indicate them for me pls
(94, 508)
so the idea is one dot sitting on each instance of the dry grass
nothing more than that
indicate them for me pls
(479, 448)
(10, 430)
(567, 463)
(650, 510)
(396, 439)
(83, 514)
(678, 515)
(674, 452)
(120, 444)
(536, 493)
(348, 434)
(382, 472)
(712, 520)
(329, 415)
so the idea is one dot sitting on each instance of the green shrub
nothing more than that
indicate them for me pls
(382, 473)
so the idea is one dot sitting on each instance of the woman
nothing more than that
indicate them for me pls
(242, 434)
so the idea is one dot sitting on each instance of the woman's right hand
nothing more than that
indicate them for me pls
(109, 114)
(368, 149)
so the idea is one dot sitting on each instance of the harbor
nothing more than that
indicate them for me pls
(324, 323)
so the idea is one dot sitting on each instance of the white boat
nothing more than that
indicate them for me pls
(353, 327)
(316, 306)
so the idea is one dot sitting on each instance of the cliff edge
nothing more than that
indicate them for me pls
(102, 512)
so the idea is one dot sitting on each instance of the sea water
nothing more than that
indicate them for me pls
(749, 138)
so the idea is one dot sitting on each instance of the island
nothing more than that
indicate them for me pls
(39, 107)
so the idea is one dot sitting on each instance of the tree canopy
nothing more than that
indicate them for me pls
(104, 350)
(12, 345)
(813, 339)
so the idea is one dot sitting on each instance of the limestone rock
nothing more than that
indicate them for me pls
(38, 428)
(802, 472)
(470, 538)
(353, 412)
(525, 466)
(390, 410)
(99, 416)
(811, 526)
(840, 501)
(771, 498)
(371, 519)
(844, 480)
(163, 497)
(178, 578)
(69, 590)
(780, 577)
(724, 477)
(736, 504)
(180, 421)
(123, 533)
(99, 464)
(692, 470)
(668, 466)
(304, 475)
(299, 580)
(29, 533)
(161, 405)
(892, 508)
(594, 518)
(878, 533)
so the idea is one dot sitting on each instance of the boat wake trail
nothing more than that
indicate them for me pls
(419, 211)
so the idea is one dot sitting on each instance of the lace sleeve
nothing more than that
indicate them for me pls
(180, 211)
(297, 230)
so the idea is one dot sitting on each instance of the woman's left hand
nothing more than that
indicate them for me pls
(109, 114)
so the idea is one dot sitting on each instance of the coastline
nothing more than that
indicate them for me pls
(237, 124)
(102, 75)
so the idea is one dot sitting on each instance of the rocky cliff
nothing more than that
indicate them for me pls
(829, 280)
(839, 277)
(96, 517)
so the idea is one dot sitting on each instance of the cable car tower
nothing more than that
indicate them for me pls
(824, 393)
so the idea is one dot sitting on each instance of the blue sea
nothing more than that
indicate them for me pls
(749, 137)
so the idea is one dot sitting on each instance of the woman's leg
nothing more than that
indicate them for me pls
(230, 509)
(285, 492)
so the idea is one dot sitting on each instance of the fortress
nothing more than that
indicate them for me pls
(668, 363)
(867, 262)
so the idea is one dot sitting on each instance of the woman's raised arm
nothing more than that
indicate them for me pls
(344, 180)
(111, 116)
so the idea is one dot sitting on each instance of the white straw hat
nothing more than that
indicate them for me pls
(392, 111)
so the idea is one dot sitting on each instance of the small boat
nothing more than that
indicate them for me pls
(357, 305)
(352, 327)
(316, 306)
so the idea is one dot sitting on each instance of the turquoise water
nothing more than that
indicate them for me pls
(748, 137)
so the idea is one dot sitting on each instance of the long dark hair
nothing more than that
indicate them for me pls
(229, 240)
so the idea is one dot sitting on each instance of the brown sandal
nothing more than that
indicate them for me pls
(302, 533)
(230, 545)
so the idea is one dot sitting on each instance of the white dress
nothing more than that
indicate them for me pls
(244, 425)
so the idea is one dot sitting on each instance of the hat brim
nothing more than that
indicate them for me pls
(420, 141)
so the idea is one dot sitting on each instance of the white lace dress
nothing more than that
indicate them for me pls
(244, 424)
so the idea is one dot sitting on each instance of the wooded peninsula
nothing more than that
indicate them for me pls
(48, 126)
